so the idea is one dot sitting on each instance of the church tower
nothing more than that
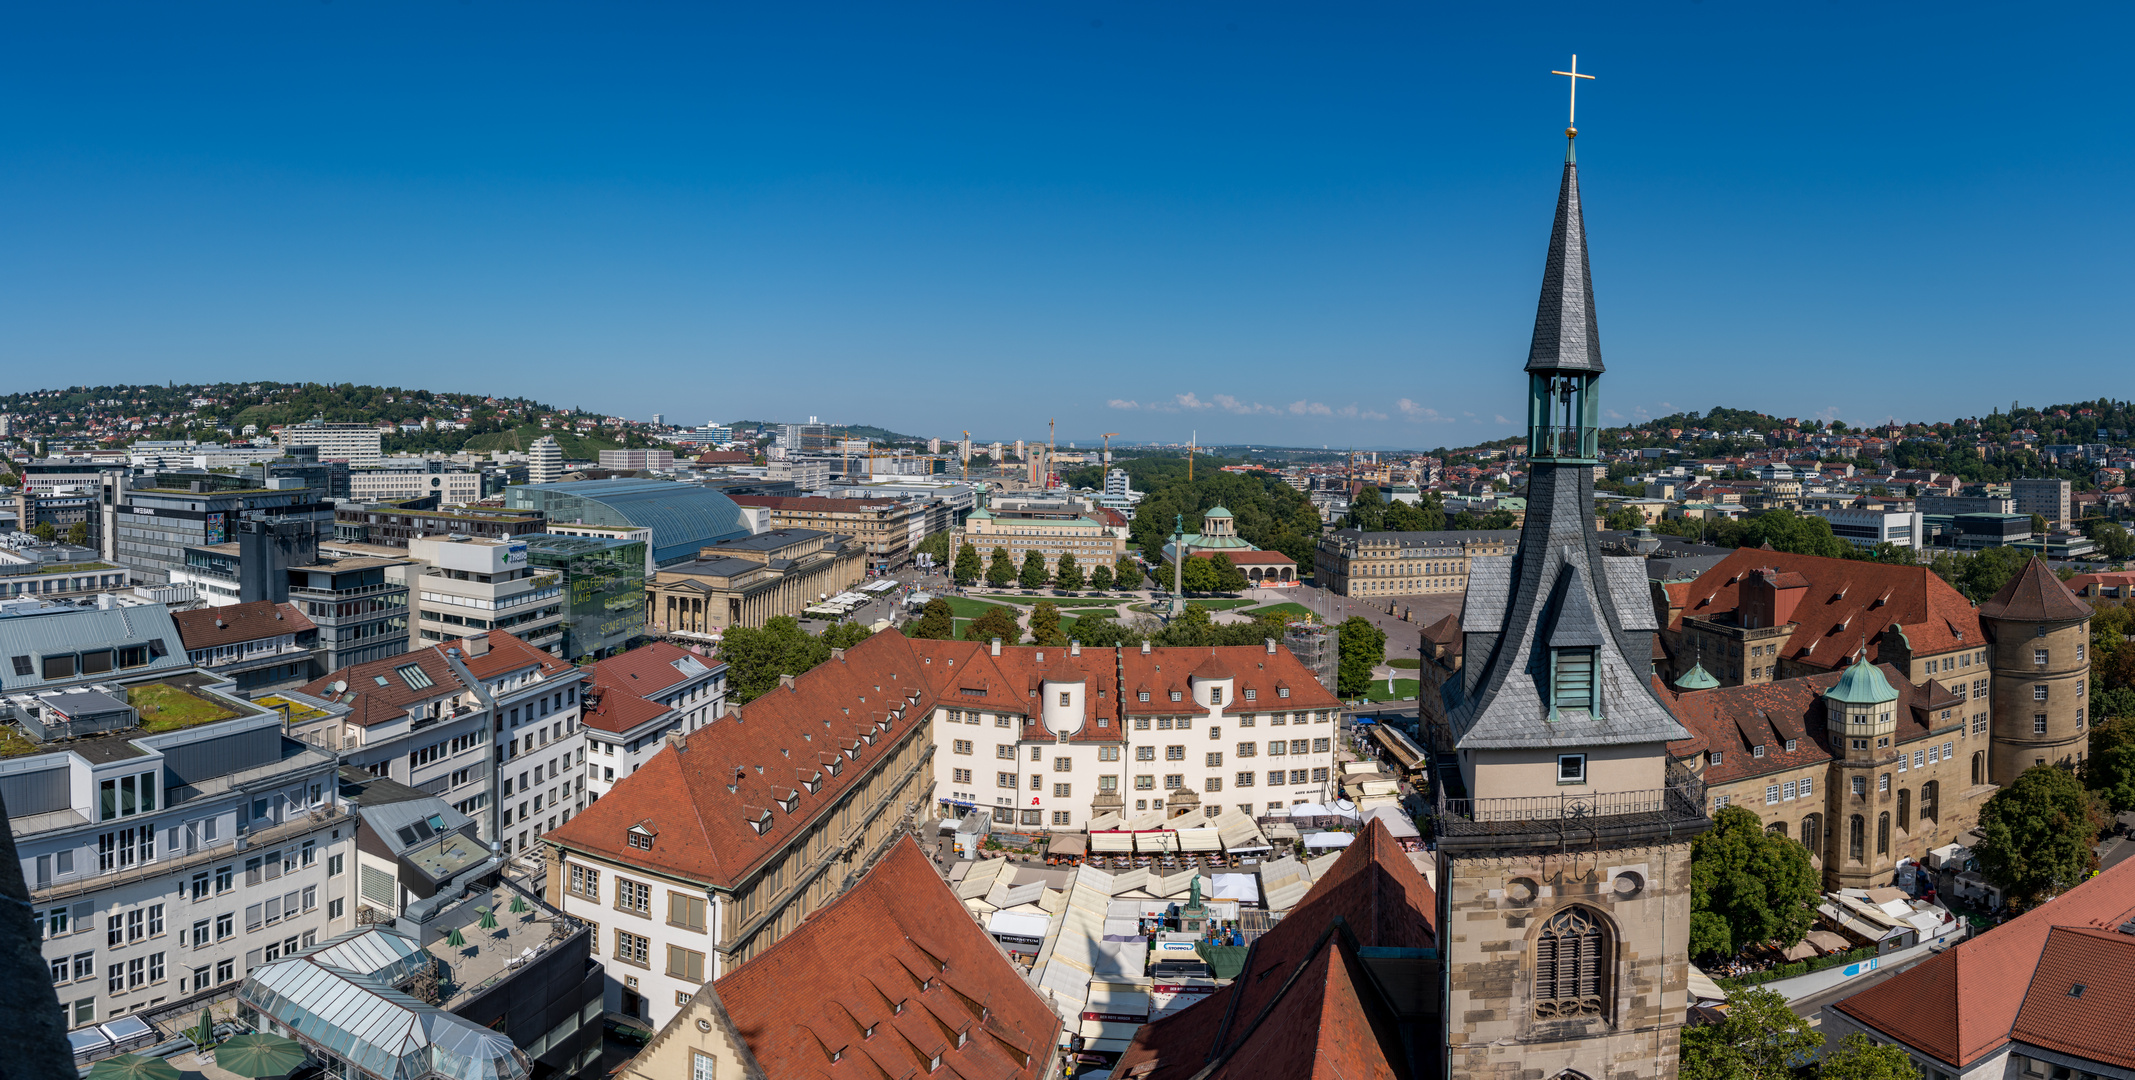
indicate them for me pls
(1563, 825)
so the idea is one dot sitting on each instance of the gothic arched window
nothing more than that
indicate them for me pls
(1812, 834)
(1930, 800)
(1883, 833)
(1571, 959)
(1857, 838)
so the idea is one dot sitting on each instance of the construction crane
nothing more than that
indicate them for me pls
(1047, 480)
(965, 454)
(1108, 448)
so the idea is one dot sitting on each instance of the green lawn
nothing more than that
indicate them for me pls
(1058, 601)
(164, 707)
(967, 608)
(1404, 689)
(1287, 607)
(1405, 662)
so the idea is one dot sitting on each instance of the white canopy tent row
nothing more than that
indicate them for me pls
(1321, 841)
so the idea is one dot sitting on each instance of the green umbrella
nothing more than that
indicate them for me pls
(205, 1033)
(519, 905)
(489, 918)
(258, 1055)
(133, 1067)
(454, 938)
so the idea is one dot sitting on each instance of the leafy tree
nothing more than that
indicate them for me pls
(968, 568)
(997, 622)
(1000, 571)
(1045, 624)
(1101, 577)
(78, 533)
(1066, 574)
(937, 545)
(757, 656)
(937, 622)
(1860, 1058)
(2113, 540)
(1198, 574)
(845, 635)
(1126, 573)
(2038, 524)
(45, 531)
(1193, 627)
(1098, 630)
(1361, 645)
(1748, 887)
(1228, 577)
(1625, 518)
(1800, 534)
(1367, 510)
(1759, 1039)
(1034, 572)
(1429, 516)
(2109, 769)
(2036, 835)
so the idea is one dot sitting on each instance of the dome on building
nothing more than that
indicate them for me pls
(1863, 684)
(1217, 512)
(1697, 678)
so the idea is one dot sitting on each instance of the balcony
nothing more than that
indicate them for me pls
(1569, 820)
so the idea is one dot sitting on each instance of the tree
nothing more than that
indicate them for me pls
(1748, 887)
(1860, 1058)
(2036, 835)
(2038, 525)
(1045, 624)
(1228, 578)
(1098, 630)
(968, 567)
(78, 533)
(1126, 573)
(1367, 510)
(1193, 627)
(1197, 574)
(2113, 540)
(45, 531)
(937, 545)
(1066, 574)
(1625, 518)
(1427, 516)
(1760, 1038)
(845, 635)
(937, 622)
(1362, 646)
(997, 622)
(1034, 572)
(2109, 769)
(757, 656)
(1000, 571)
(1101, 578)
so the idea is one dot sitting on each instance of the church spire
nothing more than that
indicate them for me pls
(1565, 338)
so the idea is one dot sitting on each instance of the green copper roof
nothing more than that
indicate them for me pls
(1217, 511)
(1863, 684)
(1697, 678)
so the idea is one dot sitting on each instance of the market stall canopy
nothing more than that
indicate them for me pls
(1112, 841)
(1703, 988)
(1154, 819)
(1245, 887)
(1397, 823)
(1106, 820)
(1206, 838)
(1800, 950)
(1018, 924)
(1324, 840)
(1069, 844)
(1163, 840)
(1826, 940)
(1282, 830)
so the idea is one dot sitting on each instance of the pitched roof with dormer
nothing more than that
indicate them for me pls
(1848, 606)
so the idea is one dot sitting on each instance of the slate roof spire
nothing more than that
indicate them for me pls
(1565, 336)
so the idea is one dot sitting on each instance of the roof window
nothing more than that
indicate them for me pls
(414, 676)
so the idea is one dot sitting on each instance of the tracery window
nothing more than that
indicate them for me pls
(1571, 954)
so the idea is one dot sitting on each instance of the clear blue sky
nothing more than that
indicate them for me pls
(932, 216)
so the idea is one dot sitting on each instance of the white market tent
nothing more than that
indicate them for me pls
(1106, 820)
(1162, 840)
(1323, 840)
(1017, 924)
(1243, 887)
(1205, 838)
(1111, 842)
(1397, 823)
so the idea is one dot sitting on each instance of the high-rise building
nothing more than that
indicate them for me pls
(545, 461)
(357, 444)
(2047, 498)
(659, 419)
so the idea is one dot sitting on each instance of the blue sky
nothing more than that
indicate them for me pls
(1279, 223)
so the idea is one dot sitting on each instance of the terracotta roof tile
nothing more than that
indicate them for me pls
(1848, 606)
(206, 628)
(897, 954)
(2035, 595)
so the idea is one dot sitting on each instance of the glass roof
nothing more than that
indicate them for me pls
(682, 517)
(340, 996)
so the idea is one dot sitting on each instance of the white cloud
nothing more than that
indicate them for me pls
(1242, 408)
(1371, 415)
(1501, 419)
(1418, 413)
(1312, 408)
(1123, 403)
(1189, 400)
(1612, 414)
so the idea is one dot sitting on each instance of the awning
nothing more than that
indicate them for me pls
(1244, 887)
(1330, 840)
(1397, 823)
(1202, 839)
(1106, 821)
(1156, 841)
(1703, 988)
(1826, 941)
(1069, 844)
(1282, 830)
(1800, 950)
(1111, 841)
(1017, 927)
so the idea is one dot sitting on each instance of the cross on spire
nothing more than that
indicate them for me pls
(1573, 76)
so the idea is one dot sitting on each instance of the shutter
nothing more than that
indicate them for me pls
(274, 908)
(252, 920)
(377, 885)
(1546, 966)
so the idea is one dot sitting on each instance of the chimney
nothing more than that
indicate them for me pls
(837, 654)
(478, 645)
(1271, 646)
(996, 646)
(786, 681)
(678, 740)
(453, 651)
(1074, 648)
(1145, 647)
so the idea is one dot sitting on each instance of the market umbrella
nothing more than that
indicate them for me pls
(454, 938)
(519, 905)
(489, 918)
(205, 1033)
(257, 1054)
(133, 1067)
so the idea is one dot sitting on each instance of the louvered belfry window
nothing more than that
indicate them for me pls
(1572, 679)
(1570, 955)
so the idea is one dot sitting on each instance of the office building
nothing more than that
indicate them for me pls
(544, 461)
(359, 604)
(2047, 498)
(636, 699)
(603, 583)
(803, 473)
(356, 444)
(808, 438)
(61, 646)
(154, 525)
(394, 524)
(886, 529)
(1952, 505)
(1351, 562)
(637, 459)
(392, 483)
(750, 581)
(683, 517)
(1867, 528)
(467, 587)
(164, 867)
(636, 533)
(32, 568)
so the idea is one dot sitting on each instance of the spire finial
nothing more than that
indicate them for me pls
(1571, 125)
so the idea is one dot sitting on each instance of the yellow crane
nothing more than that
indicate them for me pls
(966, 455)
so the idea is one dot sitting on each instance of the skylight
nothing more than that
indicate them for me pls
(413, 675)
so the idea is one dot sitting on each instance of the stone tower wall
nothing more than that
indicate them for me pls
(2017, 745)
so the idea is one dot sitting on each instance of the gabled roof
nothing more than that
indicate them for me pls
(1964, 1004)
(652, 668)
(2081, 996)
(2035, 595)
(207, 628)
(1306, 1007)
(1847, 608)
(897, 955)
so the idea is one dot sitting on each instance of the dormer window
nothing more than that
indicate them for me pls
(1757, 751)
(1250, 694)
(1174, 695)
(1713, 758)
(1790, 746)
(1282, 691)
(640, 838)
(1571, 681)
(1143, 696)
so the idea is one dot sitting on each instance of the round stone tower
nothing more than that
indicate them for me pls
(2038, 655)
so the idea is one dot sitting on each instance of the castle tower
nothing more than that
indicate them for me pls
(1563, 825)
(2038, 653)
(1860, 712)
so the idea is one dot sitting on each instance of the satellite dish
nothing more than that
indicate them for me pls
(339, 686)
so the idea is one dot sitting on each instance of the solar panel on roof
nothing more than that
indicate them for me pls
(23, 666)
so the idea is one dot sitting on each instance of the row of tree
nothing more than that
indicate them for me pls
(1001, 571)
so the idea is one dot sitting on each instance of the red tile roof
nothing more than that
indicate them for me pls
(2081, 996)
(1848, 607)
(207, 628)
(378, 692)
(647, 669)
(899, 956)
(1306, 1007)
(2035, 595)
(1965, 1003)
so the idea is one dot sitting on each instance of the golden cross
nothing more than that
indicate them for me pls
(1574, 76)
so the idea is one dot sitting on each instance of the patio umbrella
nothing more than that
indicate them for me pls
(133, 1067)
(519, 905)
(489, 918)
(257, 1054)
(205, 1032)
(454, 938)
